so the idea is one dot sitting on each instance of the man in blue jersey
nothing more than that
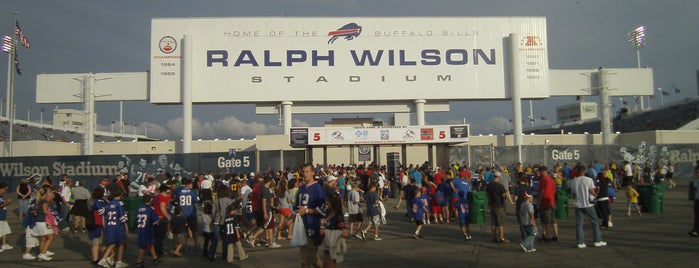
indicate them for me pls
(146, 218)
(310, 202)
(187, 199)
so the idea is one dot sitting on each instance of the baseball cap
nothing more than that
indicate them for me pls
(252, 174)
(527, 195)
(331, 178)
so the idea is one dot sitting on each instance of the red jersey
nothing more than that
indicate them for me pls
(157, 200)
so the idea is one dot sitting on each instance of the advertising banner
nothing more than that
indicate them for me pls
(682, 156)
(382, 135)
(345, 59)
(91, 169)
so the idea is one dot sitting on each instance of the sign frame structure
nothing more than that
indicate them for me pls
(345, 59)
(319, 136)
(68, 88)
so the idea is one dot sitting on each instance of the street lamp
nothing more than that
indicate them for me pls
(546, 144)
(637, 38)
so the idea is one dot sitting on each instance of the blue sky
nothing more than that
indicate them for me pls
(114, 36)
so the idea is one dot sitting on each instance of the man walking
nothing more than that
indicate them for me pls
(584, 191)
(496, 200)
(547, 204)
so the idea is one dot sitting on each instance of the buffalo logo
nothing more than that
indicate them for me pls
(349, 32)
(167, 44)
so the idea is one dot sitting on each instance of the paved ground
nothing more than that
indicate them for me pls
(648, 241)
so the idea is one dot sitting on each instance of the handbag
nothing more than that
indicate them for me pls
(298, 237)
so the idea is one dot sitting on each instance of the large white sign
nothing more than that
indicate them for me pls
(346, 59)
(69, 88)
(378, 135)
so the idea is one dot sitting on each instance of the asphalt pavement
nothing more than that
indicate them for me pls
(651, 240)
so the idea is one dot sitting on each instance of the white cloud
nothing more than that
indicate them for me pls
(227, 127)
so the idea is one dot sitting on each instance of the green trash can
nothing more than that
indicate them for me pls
(561, 204)
(478, 200)
(131, 205)
(656, 199)
(645, 192)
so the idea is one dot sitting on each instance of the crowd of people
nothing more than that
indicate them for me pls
(311, 206)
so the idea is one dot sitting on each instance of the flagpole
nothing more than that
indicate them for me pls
(11, 85)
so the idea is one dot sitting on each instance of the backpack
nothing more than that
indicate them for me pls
(93, 219)
(440, 199)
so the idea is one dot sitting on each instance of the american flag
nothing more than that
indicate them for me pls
(23, 39)
(19, 70)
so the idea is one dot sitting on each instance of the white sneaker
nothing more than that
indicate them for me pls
(610, 224)
(43, 257)
(170, 236)
(274, 245)
(7, 247)
(582, 245)
(104, 263)
(600, 244)
(121, 264)
(28, 256)
(49, 253)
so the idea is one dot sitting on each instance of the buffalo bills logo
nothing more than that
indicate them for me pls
(349, 32)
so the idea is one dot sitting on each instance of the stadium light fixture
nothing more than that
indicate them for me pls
(637, 38)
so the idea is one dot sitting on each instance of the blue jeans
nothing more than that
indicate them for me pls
(579, 221)
(530, 235)
(214, 242)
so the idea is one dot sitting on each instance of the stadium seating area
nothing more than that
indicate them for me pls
(25, 132)
(668, 117)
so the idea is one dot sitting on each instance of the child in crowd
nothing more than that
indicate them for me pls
(115, 229)
(179, 231)
(373, 212)
(206, 228)
(632, 196)
(419, 209)
(4, 227)
(95, 224)
(231, 234)
(528, 223)
(335, 233)
(146, 219)
(463, 209)
(42, 227)
(355, 215)
(30, 241)
(425, 199)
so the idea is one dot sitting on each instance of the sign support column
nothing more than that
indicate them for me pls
(516, 94)
(187, 62)
(420, 112)
(287, 116)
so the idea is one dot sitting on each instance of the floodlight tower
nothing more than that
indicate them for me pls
(637, 38)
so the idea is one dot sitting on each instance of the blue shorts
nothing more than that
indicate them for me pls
(463, 219)
(96, 233)
(114, 237)
(144, 241)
